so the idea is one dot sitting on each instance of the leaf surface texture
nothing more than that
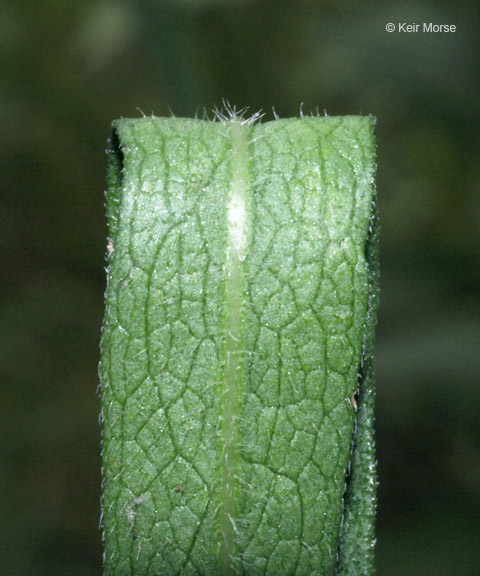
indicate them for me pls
(236, 346)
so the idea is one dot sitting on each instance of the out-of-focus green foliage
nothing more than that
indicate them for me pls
(68, 69)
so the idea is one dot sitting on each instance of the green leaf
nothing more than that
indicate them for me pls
(237, 343)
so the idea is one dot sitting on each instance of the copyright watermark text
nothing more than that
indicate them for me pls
(428, 27)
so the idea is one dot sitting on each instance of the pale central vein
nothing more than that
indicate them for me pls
(234, 302)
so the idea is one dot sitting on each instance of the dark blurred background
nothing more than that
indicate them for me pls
(68, 69)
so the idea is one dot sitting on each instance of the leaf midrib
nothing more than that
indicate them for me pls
(233, 361)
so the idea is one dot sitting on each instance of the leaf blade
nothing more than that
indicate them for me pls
(295, 301)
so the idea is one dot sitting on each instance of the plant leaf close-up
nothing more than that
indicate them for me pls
(236, 377)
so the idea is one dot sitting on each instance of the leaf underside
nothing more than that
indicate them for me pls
(236, 379)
